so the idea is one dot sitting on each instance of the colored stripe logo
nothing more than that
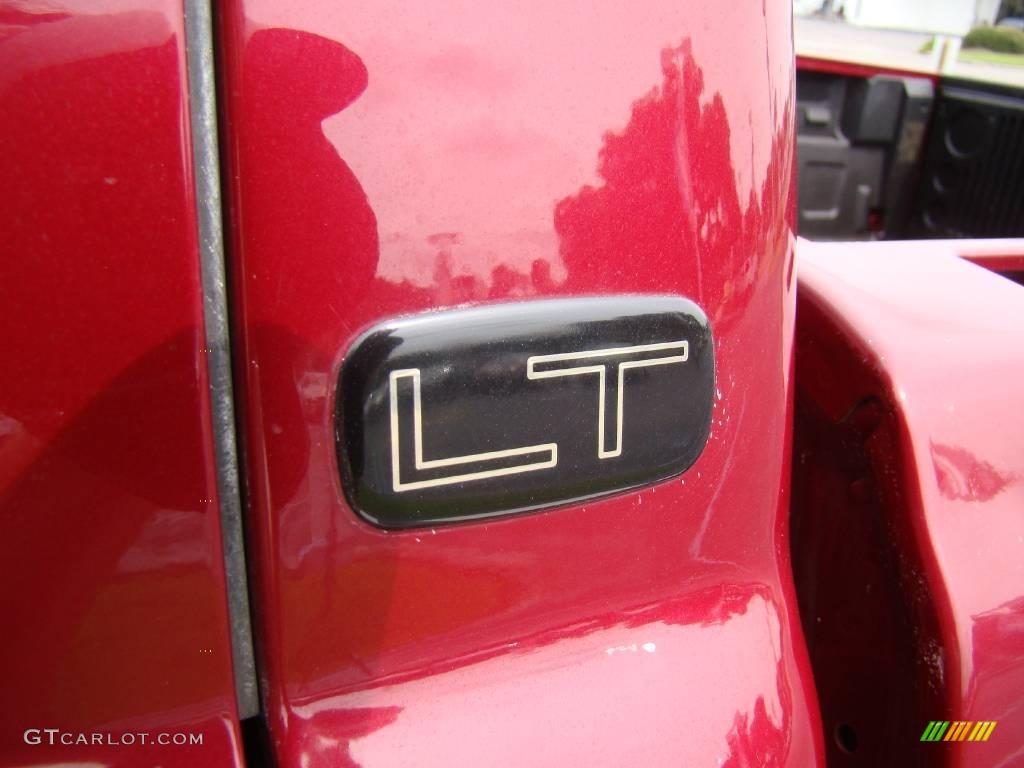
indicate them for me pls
(958, 730)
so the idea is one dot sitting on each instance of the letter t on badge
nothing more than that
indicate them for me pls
(609, 409)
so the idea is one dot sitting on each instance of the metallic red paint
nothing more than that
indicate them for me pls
(113, 590)
(917, 353)
(483, 153)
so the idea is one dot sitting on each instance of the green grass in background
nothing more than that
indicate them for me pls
(991, 57)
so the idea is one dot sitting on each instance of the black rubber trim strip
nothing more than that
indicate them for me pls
(203, 112)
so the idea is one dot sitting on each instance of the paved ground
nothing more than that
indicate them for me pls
(838, 40)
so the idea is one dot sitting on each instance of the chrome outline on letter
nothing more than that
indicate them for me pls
(414, 373)
(533, 374)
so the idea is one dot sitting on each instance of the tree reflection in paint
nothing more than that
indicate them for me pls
(669, 212)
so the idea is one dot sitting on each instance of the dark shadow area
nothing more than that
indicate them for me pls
(309, 208)
(866, 601)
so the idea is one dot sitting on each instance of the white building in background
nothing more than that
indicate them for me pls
(944, 17)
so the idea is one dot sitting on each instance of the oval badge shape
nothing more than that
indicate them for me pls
(506, 408)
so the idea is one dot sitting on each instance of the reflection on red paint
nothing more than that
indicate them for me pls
(729, 634)
(667, 222)
(963, 476)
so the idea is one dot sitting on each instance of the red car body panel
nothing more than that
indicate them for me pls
(113, 597)
(484, 154)
(919, 352)
(384, 160)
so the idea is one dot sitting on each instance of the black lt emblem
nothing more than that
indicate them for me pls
(512, 407)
